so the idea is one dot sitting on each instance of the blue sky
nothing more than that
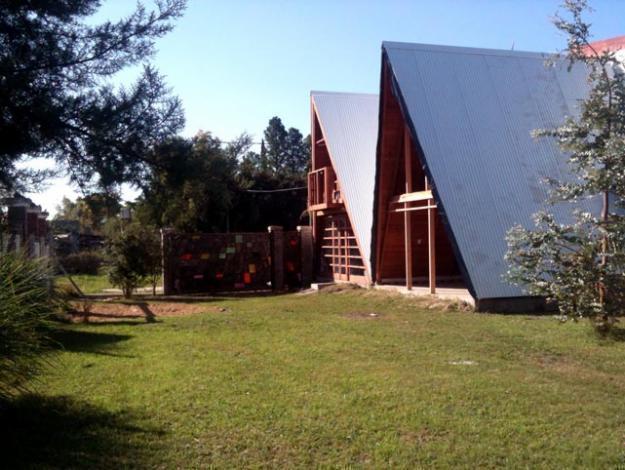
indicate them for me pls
(237, 63)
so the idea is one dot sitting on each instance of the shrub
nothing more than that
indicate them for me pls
(134, 257)
(84, 262)
(26, 306)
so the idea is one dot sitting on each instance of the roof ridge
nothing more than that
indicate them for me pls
(346, 93)
(464, 49)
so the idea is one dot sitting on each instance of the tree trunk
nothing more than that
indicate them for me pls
(604, 247)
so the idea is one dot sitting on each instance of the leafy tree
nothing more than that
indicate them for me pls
(91, 211)
(581, 265)
(265, 179)
(265, 198)
(202, 185)
(192, 186)
(135, 257)
(56, 97)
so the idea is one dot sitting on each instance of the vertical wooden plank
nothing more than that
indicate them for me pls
(407, 214)
(341, 236)
(328, 186)
(347, 253)
(432, 247)
(431, 241)
(334, 261)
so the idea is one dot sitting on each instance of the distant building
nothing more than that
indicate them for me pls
(25, 227)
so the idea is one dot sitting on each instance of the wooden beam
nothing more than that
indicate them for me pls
(407, 215)
(326, 186)
(347, 254)
(412, 197)
(432, 249)
(412, 209)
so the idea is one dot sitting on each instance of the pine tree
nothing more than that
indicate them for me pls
(56, 95)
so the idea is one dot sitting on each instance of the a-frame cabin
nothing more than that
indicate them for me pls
(457, 166)
(412, 245)
(340, 184)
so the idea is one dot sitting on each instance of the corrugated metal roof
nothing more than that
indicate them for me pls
(349, 122)
(472, 112)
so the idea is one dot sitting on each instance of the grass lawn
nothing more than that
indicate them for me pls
(89, 283)
(314, 380)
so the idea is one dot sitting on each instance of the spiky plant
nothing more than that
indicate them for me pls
(26, 306)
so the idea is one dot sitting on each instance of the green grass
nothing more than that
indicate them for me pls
(296, 381)
(90, 283)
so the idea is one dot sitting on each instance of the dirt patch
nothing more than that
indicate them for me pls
(341, 287)
(421, 436)
(98, 312)
(363, 315)
(450, 305)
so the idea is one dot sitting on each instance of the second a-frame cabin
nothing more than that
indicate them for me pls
(340, 184)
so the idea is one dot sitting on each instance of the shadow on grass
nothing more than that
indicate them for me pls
(59, 432)
(616, 334)
(87, 341)
(206, 297)
(190, 298)
(112, 318)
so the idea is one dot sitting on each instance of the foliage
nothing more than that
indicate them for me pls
(265, 199)
(90, 211)
(56, 96)
(303, 381)
(83, 262)
(134, 256)
(26, 305)
(581, 264)
(191, 189)
(264, 179)
(284, 151)
(202, 185)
